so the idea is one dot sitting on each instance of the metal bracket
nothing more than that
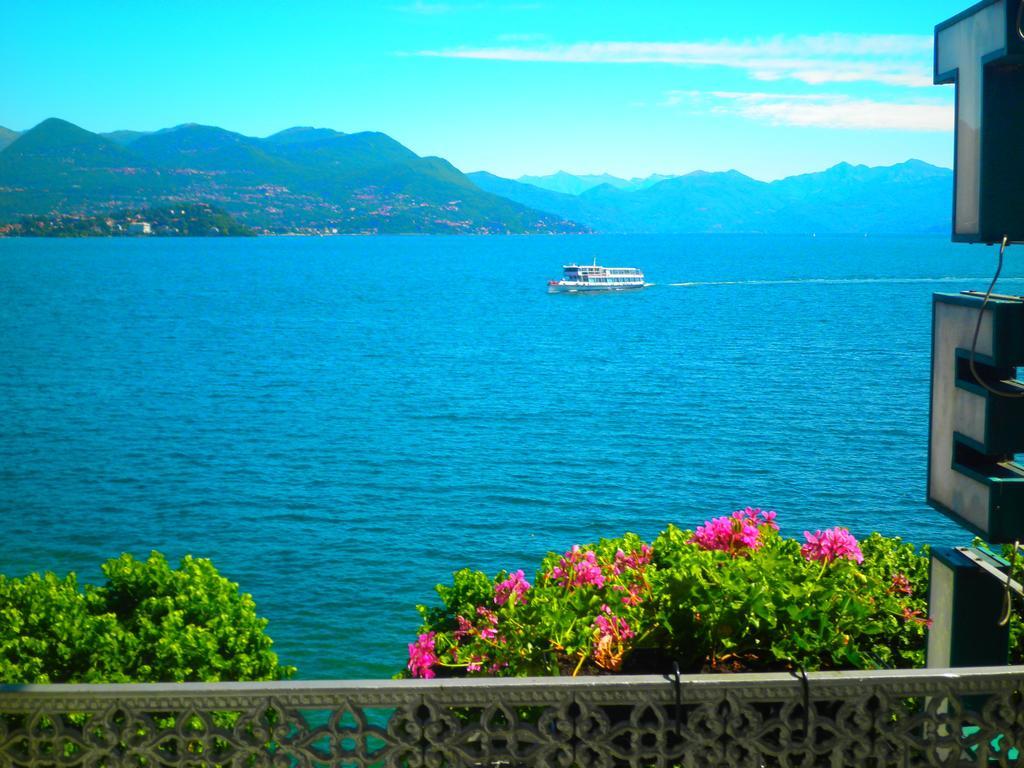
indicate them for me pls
(983, 561)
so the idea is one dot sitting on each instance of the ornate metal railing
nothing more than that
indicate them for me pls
(906, 718)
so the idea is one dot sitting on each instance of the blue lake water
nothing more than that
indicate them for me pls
(339, 423)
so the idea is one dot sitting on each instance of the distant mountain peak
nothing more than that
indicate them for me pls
(54, 136)
(160, 146)
(575, 184)
(55, 126)
(7, 136)
(302, 133)
(56, 122)
(196, 128)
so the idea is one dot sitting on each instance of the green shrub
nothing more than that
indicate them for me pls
(147, 623)
(733, 595)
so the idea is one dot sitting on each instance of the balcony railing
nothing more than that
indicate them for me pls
(886, 718)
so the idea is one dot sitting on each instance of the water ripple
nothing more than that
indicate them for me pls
(339, 423)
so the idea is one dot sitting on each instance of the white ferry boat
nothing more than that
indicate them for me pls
(582, 277)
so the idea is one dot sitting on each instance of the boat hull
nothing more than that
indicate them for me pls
(564, 288)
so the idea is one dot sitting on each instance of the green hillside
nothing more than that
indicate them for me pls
(298, 180)
(55, 145)
(174, 220)
(123, 137)
(301, 134)
(7, 136)
(58, 167)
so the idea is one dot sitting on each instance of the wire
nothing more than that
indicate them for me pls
(1020, 19)
(805, 689)
(981, 313)
(679, 693)
(1004, 617)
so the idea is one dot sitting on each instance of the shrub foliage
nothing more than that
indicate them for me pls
(733, 595)
(148, 622)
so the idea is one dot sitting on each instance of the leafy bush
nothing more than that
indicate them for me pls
(148, 623)
(733, 595)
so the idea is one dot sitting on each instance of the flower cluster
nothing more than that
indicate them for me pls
(466, 639)
(833, 544)
(610, 625)
(633, 596)
(422, 657)
(513, 588)
(627, 573)
(610, 635)
(491, 618)
(634, 561)
(465, 628)
(578, 568)
(737, 533)
(612, 606)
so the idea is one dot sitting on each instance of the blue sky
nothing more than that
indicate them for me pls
(630, 87)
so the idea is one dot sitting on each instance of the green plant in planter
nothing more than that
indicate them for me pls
(149, 622)
(732, 595)
(784, 603)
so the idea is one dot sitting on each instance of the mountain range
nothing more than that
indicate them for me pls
(574, 185)
(908, 198)
(317, 179)
(301, 179)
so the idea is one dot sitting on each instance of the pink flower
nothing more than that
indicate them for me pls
(465, 628)
(489, 615)
(514, 588)
(491, 632)
(610, 635)
(633, 598)
(833, 544)
(610, 625)
(421, 656)
(578, 568)
(634, 561)
(737, 533)
(475, 664)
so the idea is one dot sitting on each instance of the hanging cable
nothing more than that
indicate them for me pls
(981, 314)
(679, 693)
(805, 690)
(1020, 19)
(1004, 617)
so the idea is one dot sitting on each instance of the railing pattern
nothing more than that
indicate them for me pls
(906, 718)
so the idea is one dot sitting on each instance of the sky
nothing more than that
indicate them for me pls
(630, 87)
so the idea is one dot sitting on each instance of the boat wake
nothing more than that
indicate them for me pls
(841, 281)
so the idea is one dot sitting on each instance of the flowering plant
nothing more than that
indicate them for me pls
(732, 595)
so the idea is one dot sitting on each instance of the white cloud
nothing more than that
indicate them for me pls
(902, 60)
(821, 110)
(426, 9)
